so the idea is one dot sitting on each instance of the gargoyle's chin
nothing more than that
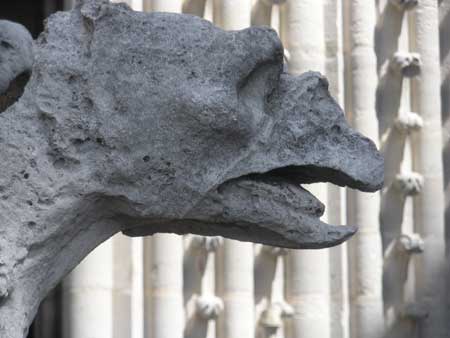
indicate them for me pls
(261, 208)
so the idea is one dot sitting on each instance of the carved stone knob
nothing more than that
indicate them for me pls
(404, 5)
(408, 122)
(409, 184)
(209, 307)
(407, 64)
(411, 243)
(209, 244)
(271, 318)
(415, 311)
(287, 311)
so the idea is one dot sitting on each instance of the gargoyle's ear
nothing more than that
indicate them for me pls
(14, 91)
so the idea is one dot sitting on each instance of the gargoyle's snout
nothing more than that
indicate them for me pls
(308, 141)
(312, 141)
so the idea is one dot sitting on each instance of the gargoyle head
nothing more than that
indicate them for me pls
(147, 123)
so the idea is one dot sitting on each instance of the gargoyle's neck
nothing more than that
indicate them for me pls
(46, 229)
(42, 262)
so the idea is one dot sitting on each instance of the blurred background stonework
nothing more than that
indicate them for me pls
(388, 64)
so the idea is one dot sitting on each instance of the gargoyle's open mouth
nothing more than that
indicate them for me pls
(272, 208)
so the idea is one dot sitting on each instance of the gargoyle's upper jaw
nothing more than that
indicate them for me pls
(311, 139)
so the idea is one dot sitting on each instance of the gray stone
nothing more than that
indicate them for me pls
(16, 60)
(147, 123)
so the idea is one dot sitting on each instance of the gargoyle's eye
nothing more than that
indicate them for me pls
(261, 81)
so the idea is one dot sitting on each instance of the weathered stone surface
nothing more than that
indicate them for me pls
(16, 60)
(147, 123)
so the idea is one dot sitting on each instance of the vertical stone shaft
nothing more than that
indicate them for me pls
(429, 206)
(444, 13)
(365, 253)
(307, 270)
(235, 259)
(393, 102)
(122, 286)
(261, 13)
(235, 287)
(101, 281)
(48, 322)
(136, 5)
(137, 288)
(166, 6)
(163, 283)
(88, 298)
(334, 70)
(232, 14)
(194, 7)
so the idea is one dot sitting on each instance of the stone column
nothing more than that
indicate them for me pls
(194, 7)
(122, 286)
(136, 5)
(201, 303)
(88, 296)
(174, 6)
(137, 287)
(307, 270)
(48, 321)
(262, 11)
(429, 206)
(271, 307)
(96, 295)
(396, 67)
(232, 14)
(365, 253)
(235, 259)
(235, 287)
(444, 14)
(163, 285)
(334, 70)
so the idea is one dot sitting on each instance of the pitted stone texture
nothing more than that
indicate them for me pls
(16, 60)
(147, 123)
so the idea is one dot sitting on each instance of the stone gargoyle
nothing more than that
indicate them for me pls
(146, 123)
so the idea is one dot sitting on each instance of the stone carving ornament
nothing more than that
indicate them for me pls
(146, 123)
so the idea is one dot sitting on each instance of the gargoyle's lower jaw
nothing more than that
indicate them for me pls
(267, 209)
